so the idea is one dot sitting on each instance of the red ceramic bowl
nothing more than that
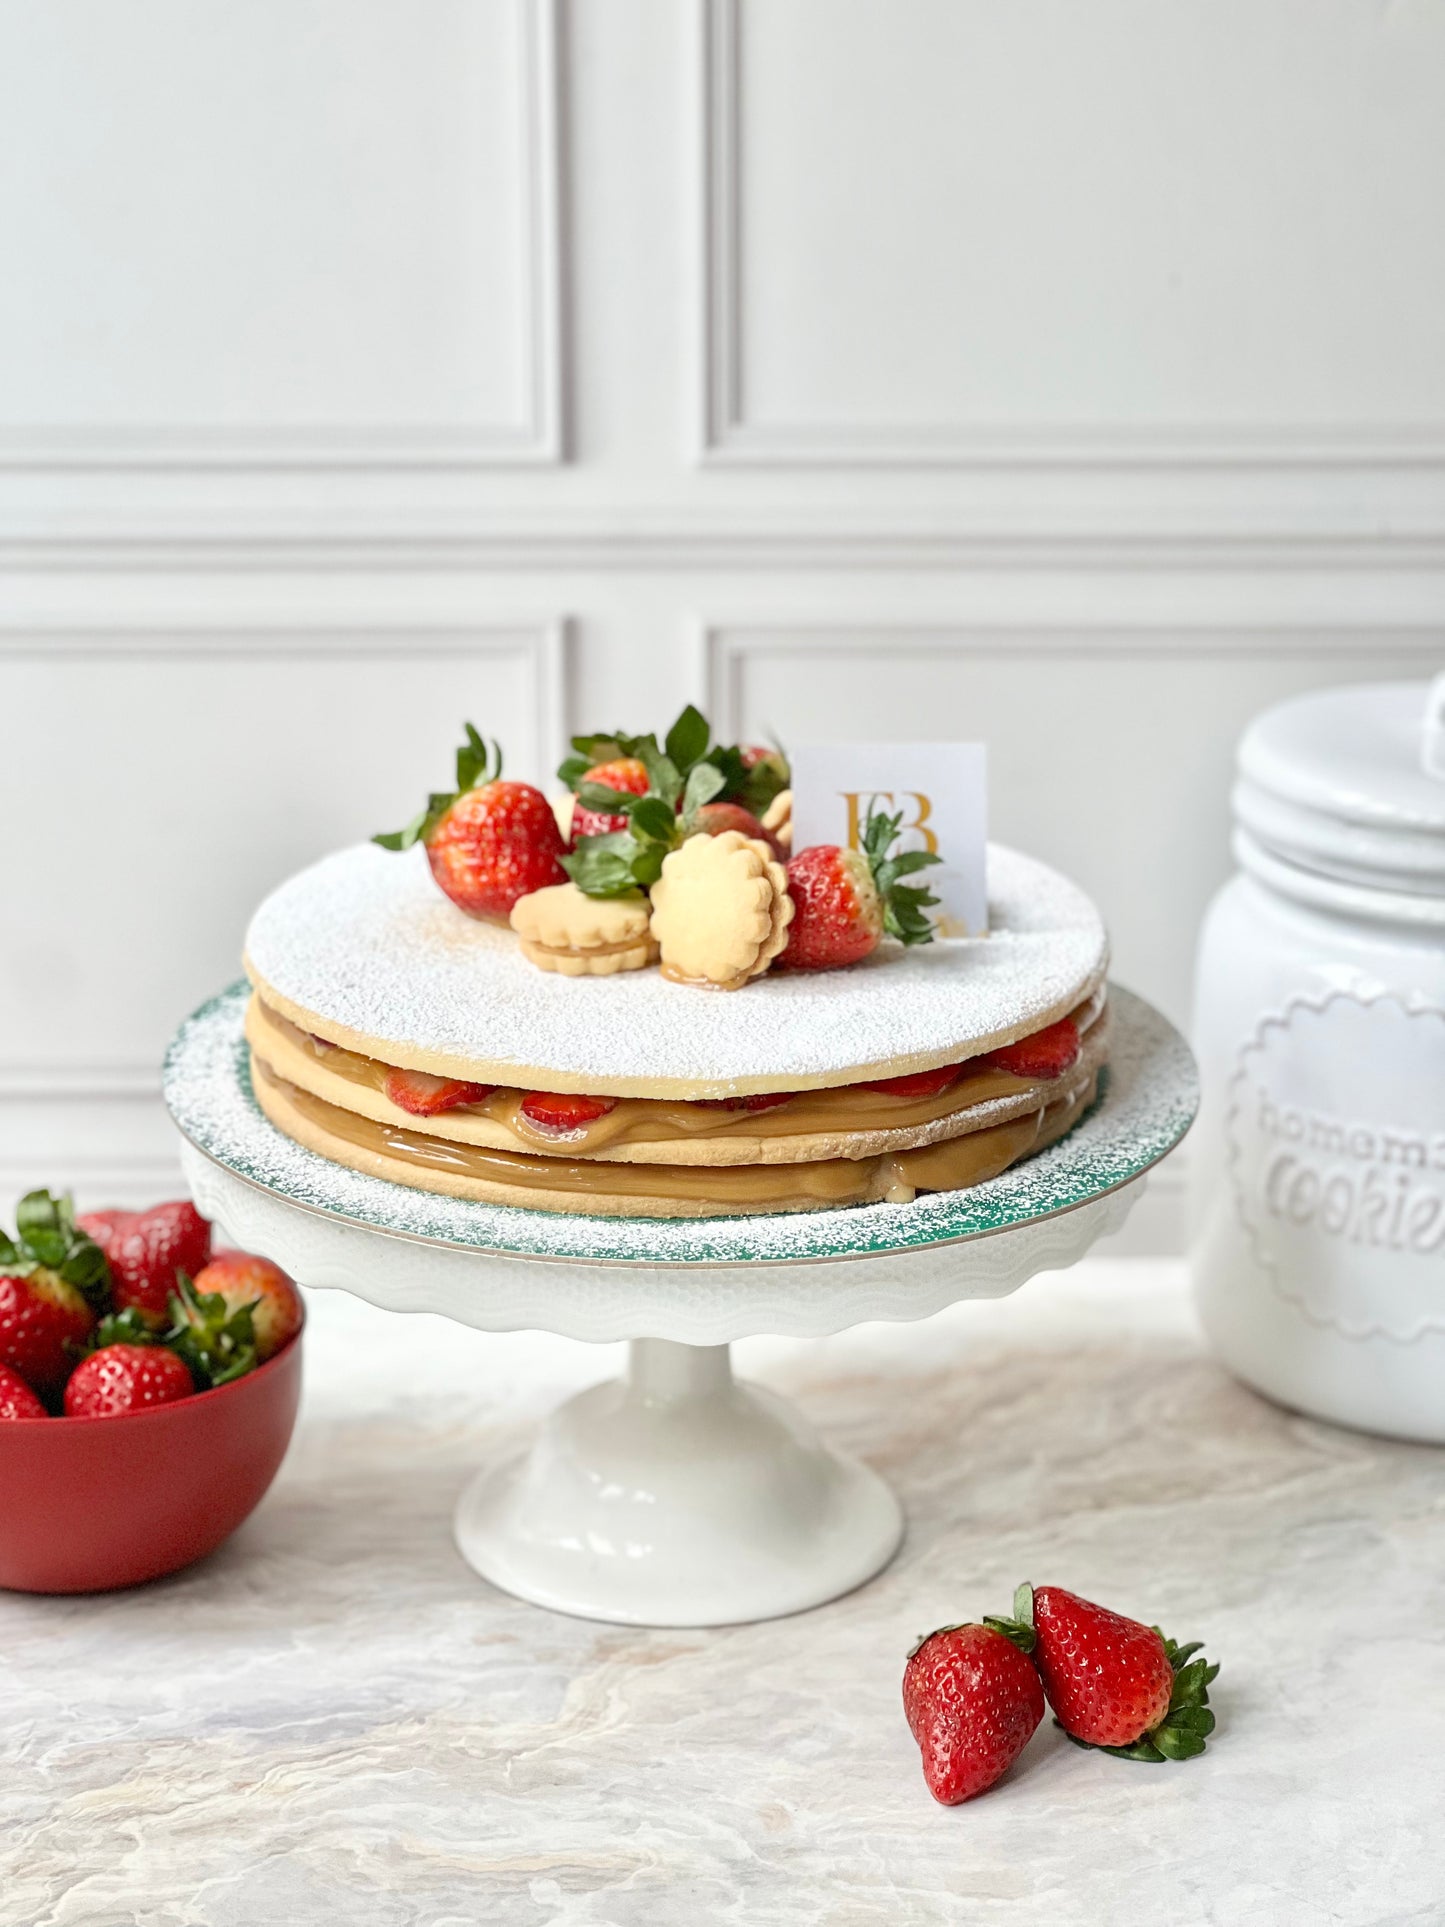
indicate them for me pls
(94, 1503)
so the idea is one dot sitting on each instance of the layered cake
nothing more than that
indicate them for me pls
(635, 1000)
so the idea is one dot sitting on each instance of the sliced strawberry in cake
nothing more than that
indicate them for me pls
(426, 1096)
(1045, 1056)
(563, 1113)
(917, 1084)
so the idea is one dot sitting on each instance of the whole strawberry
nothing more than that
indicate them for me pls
(146, 1249)
(846, 901)
(972, 1700)
(712, 819)
(488, 842)
(16, 1398)
(52, 1277)
(1115, 1683)
(240, 1282)
(124, 1378)
(623, 776)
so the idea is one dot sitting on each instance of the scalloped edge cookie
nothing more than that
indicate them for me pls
(720, 911)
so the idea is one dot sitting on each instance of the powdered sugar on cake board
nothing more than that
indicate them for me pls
(1149, 1096)
(364, 949)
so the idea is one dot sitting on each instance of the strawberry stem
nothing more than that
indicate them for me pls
(48, 1239)
(476, 764)
(1024, 1637)
(903, 903)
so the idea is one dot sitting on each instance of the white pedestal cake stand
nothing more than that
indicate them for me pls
(678, 1495)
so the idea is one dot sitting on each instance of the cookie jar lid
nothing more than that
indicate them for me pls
(1347, 786)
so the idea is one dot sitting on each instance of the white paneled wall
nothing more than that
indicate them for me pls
(1069, 377)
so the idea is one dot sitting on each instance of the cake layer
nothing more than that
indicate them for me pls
(846, 1121)
(427, 1163)
(362, 951)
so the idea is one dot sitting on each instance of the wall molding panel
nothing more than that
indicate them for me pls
(537, 437)
(722, 650)
(728, 435)
(1069, 539)
(113, 1102)
(542, 645)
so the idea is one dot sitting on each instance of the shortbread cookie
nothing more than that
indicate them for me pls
(720, 910)
(581, 936)
(778, 819)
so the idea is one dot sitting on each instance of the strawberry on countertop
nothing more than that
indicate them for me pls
(846, 901)
(1116, 1683)
(488, 842)
(122, 1378)
(146, 1249)
(972, 1700)
(52, 1278)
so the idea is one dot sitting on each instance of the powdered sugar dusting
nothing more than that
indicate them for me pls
(364, 941)
(1148, 1101)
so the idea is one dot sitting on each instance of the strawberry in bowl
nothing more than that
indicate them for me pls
(53, 1283)
(145, 1250)
(143, 1414)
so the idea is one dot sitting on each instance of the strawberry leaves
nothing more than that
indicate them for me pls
(48, 1239)
(128, 1327)
(686, 742)
(589, 751)
(903, 903)
(624, 861)
(477, 763)
(215, 1343)
(218, 1344)
(685, 772)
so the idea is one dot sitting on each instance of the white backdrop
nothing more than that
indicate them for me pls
(1065, 376)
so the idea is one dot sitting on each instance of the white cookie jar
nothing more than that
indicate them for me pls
(1317, 1233)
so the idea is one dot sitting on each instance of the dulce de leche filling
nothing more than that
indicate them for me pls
(641, 1121)
(467, 1169)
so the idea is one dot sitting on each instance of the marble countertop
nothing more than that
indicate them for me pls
(333, 1720)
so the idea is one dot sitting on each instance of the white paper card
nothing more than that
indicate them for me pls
(941, 791)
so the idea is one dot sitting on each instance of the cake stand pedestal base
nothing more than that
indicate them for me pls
(678, 1496)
